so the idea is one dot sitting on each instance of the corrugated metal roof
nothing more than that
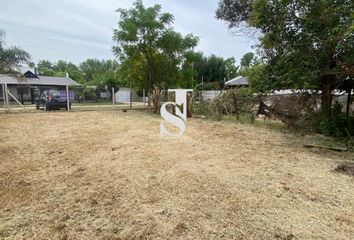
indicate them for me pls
(237, 81)
(57, 81)
(41, 80)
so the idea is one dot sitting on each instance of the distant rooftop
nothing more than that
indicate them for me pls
(24, 69)
(238, 81)
(33, 79)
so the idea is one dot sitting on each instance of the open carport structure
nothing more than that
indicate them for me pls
(31, 85)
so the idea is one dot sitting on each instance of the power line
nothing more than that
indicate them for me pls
(45, 30)
(63, 50)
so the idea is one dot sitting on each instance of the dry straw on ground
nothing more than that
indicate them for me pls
(109, 175)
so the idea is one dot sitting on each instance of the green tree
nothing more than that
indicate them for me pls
(42, 67)
(187, 77)
(60, 66)
(246, 60)
(11, 58)
(256, 77)
(214, 68)
(148, 46)
(305, 44)
(112, 83)
(235, 12)
(231, 68)
(90, 68)
(59, 69)
(72, 66)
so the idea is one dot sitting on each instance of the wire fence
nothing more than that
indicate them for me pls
(13, 101)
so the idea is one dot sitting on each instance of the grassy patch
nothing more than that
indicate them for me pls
(110, 175)
(75, 107)
(325, 142)
(97, 103)
(73, 104)
(329, 142)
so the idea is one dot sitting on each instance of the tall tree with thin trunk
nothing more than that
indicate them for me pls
(145, 36)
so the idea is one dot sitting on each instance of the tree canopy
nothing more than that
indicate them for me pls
(148, 47)
(305, 44)
(11, 57)
(214, 68)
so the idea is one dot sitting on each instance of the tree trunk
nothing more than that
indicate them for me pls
(149, 99)
(348, 103)
(349, 95)
(326, 95)
(236, 108)
(189, 105)
(156, 92)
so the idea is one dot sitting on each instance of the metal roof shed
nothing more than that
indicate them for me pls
(237, 82)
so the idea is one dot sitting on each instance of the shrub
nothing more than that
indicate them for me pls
(211, 86)
(224, 105)
(338, 124)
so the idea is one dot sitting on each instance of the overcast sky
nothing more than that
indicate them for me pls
(81, 29)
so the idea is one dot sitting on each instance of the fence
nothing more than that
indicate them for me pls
(212, 94)
(9, 102)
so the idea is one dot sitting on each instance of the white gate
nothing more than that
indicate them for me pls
(122, 96)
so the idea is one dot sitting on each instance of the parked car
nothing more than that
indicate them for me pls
(50, 100)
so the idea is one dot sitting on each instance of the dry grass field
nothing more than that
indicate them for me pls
(109, 175)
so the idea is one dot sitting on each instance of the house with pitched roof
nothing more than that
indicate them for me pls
(31, 85)
(237, 82)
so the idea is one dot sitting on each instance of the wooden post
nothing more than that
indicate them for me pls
(18, 101)
(7, 98)
(131, 94)
(32, 95)
(131, 87)
(113, 99)
(67, 98)
(348, 99)
(201, 94)
(144, 97)
(106, 89)
(21, 95)
(348, 103)
(3, 96)
(149, 99)
(236, 109)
